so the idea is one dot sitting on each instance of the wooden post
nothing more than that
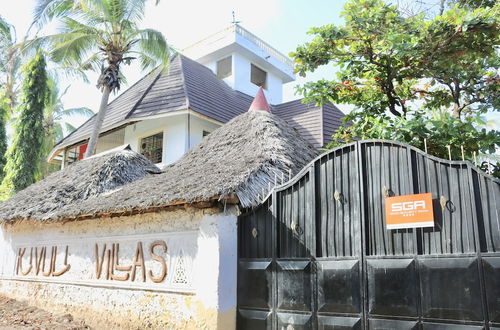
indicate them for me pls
(65, 157)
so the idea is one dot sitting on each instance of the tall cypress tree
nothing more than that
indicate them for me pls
(3, 140)
(23, 156)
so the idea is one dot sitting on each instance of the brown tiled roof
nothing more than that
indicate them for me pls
(190, 85)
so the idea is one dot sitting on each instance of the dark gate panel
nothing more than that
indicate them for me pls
(256, 268)
(317, 254)
(339, 249)
(387, 172)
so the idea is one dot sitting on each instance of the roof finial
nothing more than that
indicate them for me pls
(260, 102)
(234, 21)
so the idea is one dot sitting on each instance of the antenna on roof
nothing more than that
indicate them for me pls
(234, 21)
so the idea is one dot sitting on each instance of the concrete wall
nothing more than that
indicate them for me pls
(197, 289)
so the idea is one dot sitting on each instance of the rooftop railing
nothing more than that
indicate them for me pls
(235, 28)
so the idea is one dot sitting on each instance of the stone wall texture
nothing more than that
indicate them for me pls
(170, 269)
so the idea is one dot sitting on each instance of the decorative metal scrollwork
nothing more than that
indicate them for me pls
(442, 201)
(387, 192)
(339, 197)
(295, 227)
(255, 232)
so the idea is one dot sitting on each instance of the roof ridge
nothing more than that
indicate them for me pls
(109, 103)
(146, 91)
(183, 80)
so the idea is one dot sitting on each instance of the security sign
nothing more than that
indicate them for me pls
(409, 211)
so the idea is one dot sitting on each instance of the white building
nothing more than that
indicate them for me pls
(163, 115)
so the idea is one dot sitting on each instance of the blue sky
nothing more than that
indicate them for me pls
(281, 23)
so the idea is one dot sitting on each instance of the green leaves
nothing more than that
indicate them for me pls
(390, 57)
(100, 35)
(23, 161)
(409, 78)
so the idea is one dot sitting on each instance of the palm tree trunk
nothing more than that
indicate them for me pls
(98, 122)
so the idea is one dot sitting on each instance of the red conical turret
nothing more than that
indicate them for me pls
(260, 102)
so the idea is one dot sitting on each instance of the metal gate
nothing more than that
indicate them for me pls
(317, 255)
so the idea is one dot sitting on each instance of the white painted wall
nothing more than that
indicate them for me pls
(274, 88)
(204, 239)
(197, 126)
(175, 134)
(212, 65)
(240, 78)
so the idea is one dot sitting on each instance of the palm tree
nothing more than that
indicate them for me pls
(56, 124)
(100, 35)
(10, 63)
(56, 116)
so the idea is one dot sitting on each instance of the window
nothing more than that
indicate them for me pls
(152, 147)
(258, 76)
(205, 133)
(224, 67)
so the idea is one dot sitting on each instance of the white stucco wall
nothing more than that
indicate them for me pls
(201, 252)
(174, 130)
(197, 126)
(273, 90)
(176, 141)
(212, 65)
(240, 78)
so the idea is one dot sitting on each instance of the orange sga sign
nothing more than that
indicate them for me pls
(409, 211)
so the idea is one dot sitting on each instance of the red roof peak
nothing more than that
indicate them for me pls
(260, 102)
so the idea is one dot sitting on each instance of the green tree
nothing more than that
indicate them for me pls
(3, 137)
(23, 156)
(410, 78)
(8, 73)
(10, 62)
(100, 35)
(56, 124)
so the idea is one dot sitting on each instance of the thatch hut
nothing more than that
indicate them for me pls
(120, 242)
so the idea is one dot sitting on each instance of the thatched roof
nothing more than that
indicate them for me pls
(76, 183)
(239, 159)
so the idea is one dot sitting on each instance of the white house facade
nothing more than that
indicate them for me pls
(165, 114)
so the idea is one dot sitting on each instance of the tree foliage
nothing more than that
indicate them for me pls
(3, 138)
(56, 124)
(101, 35)
(410, 78)
(23, 157)
(9, 65)
(10, 62)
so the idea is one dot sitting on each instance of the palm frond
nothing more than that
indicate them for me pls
(134, 10)
(83, 111)
(58, 132)
(72, 47)
(5, 30)
(46, 10)
(152, 48)
(69, 71)
(69, 128)
(92, 63)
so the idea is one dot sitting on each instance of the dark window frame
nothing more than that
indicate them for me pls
(227, 72)
(256, 69)
(151, 147)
